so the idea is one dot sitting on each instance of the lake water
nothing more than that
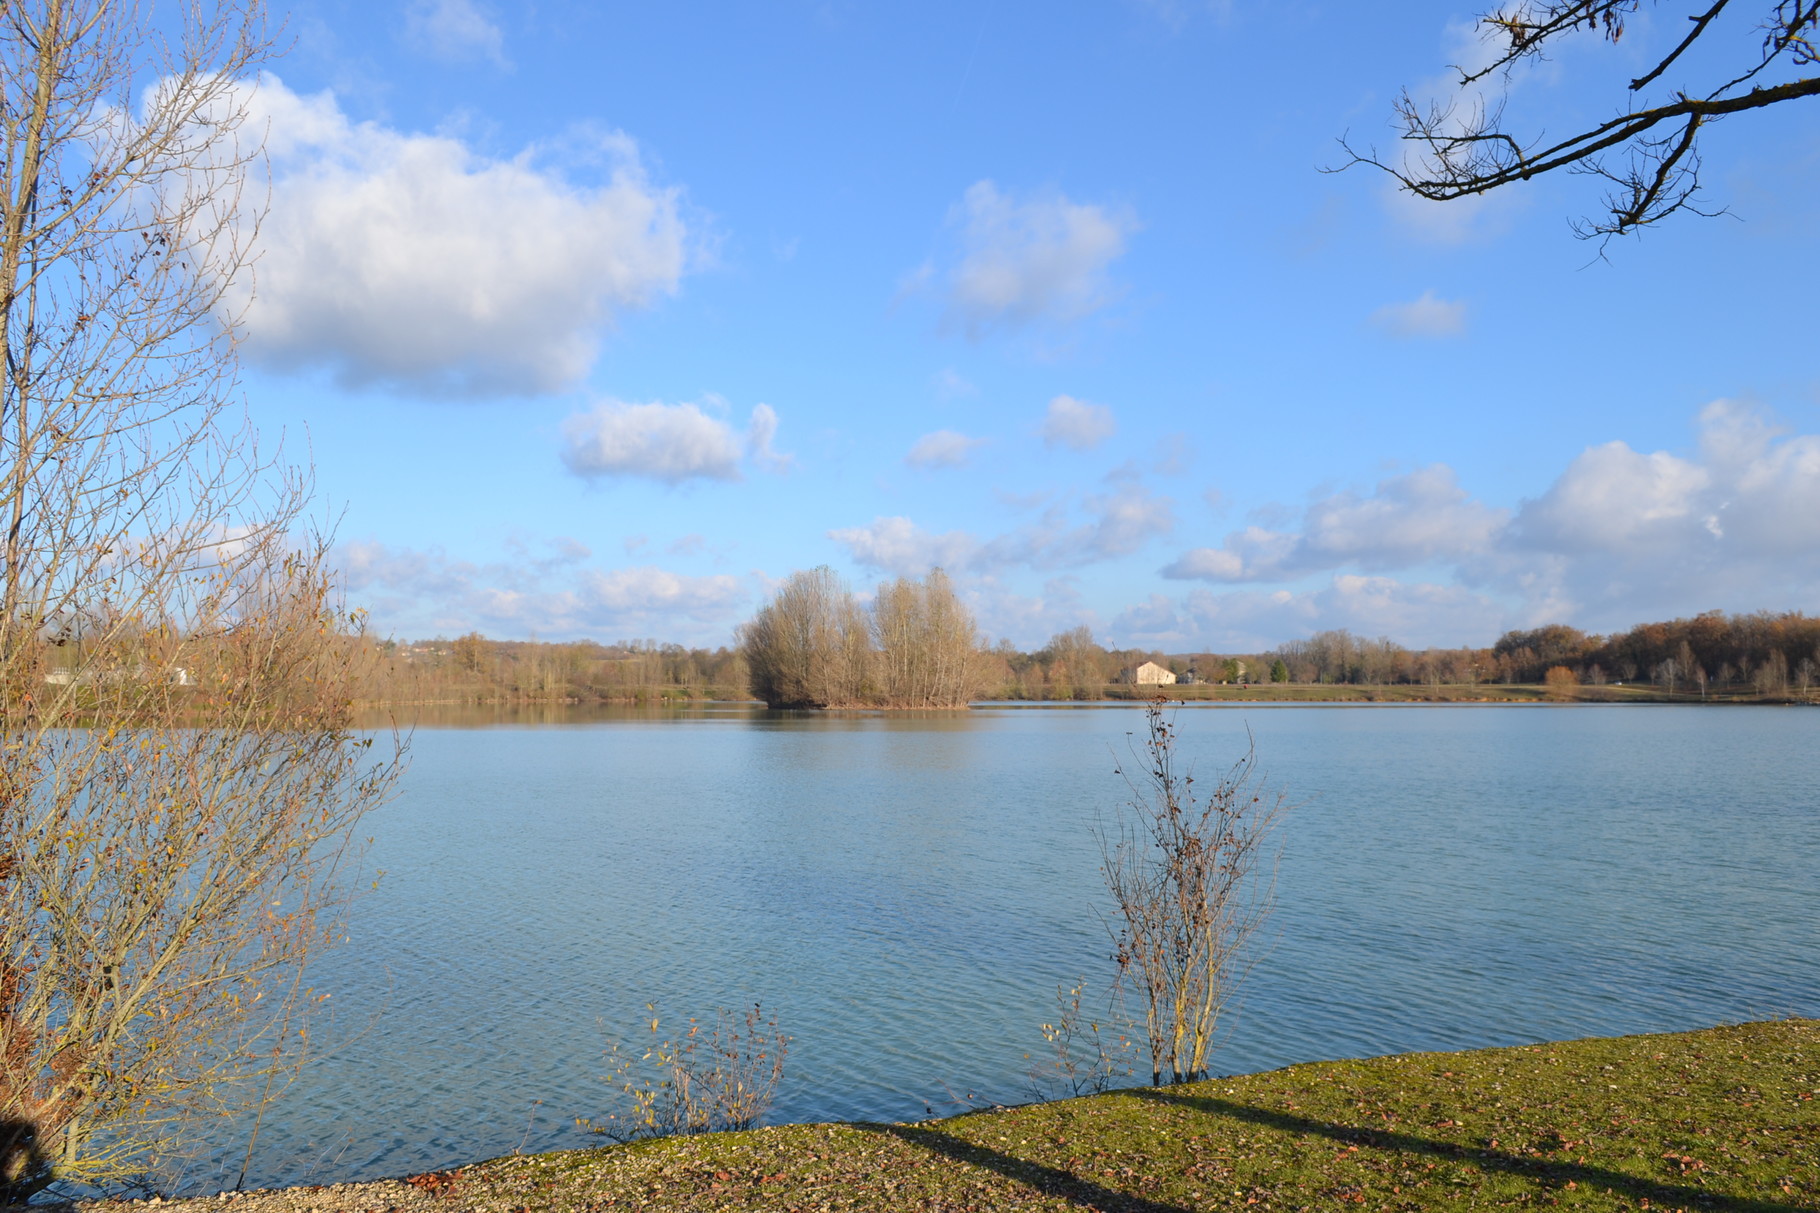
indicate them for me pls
(905, 893)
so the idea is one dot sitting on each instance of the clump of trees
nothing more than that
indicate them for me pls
(1760, 654)
(814, 646)
(1767, 654)
(179, 781)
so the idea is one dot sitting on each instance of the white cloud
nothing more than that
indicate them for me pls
(1771, 498)
(1044, 258)
(1428, 316)
(1410, 520)
(423, 593)
(1624, 535)
(646, 592)
(760, 432)
(671, 443)
(1619, 536)
(1153, 622)
(455, 31)
(1412, 613)
(1123, 522)
(415, 262)
(1117, 524)
(1028, 620)
(903, 549)
(1612, 499)
(942, 449)
(1077, 424)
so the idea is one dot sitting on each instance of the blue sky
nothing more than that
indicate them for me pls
(599, 319)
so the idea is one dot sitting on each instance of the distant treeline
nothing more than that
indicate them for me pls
(475, 669)
(1764, 653)
(913, 654)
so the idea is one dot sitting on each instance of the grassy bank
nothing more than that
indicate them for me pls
(1726, 1119)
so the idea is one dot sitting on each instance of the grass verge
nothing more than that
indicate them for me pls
(1726, 1119)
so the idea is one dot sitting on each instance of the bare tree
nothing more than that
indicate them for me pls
(1075, 663)
(1192, 880)
(1751, 56)
(1771, 678)
(809, 646)
(179, 781)
(928, 648)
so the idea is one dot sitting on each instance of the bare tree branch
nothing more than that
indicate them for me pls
(1455, 155)
(179, 780)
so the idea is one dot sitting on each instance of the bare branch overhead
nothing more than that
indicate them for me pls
(1649, 151)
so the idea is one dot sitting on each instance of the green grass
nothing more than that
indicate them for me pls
(1726, 1119)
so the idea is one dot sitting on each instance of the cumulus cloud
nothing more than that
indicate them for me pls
(1624, 532)
(1116, 524)
(1123, 521)
(421, 593)
(1613, 498)
(1414, 613)
(1420, 613)
(1041, 258)
(1030, 619)
(1620, 535)
(1428, 316)
(415, 262)
(1413, 519)
(671, 443)
(942, 449)
(455, 31)
(899, 547)
(1077, 424)
(760, 432)
(1152, 622)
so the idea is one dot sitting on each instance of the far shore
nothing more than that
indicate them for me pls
(1319, 694)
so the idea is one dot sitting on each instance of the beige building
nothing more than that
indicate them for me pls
(1150, 674)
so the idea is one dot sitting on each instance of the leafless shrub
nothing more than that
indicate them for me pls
(713, 1079)
(1191, 880)
(1085, 1054)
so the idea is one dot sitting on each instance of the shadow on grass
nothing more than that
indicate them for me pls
(1540, 1170)
(1052, 1181)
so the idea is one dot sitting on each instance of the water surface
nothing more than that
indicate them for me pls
(905, 893)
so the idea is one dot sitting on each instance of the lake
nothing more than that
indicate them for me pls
(906, 892)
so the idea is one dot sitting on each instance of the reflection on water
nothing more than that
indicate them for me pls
(906, 891)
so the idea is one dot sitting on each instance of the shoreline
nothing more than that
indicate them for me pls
(1723, 1118)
